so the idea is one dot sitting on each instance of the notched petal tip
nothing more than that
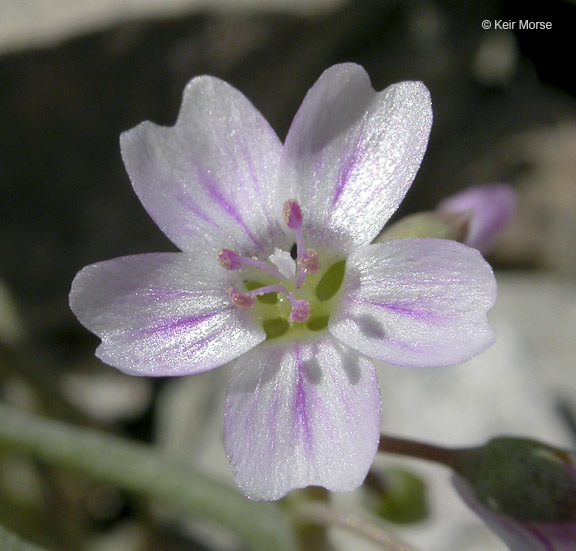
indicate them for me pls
(415, 96)
(161, 314)
(205, 180)
(417, 302)
(352, 153)
(301, 414)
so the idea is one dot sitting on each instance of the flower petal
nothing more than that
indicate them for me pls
(299, 414)
(491, 208)
(212, 175)
(162, 314)
(520, 535)
(416, 302)
(352, 153)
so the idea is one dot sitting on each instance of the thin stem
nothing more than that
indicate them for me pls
(142, 470)
(370, 529)
(300, 247)
(293, 300)
(258, 264)
(268, 289)
(311, 535)
(300, 277)
(420, 450)
(300, 251)
(65, 518)
(11, 542)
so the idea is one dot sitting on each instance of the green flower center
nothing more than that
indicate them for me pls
(272, 310)
(289, 293)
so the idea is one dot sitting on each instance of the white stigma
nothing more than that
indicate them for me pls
(284, 262)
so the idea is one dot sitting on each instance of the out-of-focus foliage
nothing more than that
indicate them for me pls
(503, 112)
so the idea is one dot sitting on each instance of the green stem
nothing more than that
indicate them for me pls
(140, 469)
(372, 529)
(311, 535)
(10, 542)
(419, 450)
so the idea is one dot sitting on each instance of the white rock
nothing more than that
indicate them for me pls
(30, 23)
(509, 389)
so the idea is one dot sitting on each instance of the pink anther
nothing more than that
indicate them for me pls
(309, 261)
(242, 300)
(229, 259)
(300, 312)
(292, 214)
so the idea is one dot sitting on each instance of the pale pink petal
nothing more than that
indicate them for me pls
(211, 177)
(490, 208)
(299, 414)
(520, 535)
(162, 314)
(416, 302)
(351, 154)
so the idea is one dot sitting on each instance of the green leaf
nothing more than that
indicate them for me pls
(331, 281)
(144, 471)
(397, 495)
(11, 542)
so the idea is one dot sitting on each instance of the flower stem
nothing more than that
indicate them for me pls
(419, 450)
(311, 535)
(142, 470)
(370, 529)
(11, 542)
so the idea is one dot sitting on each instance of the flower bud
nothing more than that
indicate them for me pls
(489, 209)
(426, 224)
(476, 217)
(524, 490)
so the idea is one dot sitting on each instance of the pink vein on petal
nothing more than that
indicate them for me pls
(169, 294)
(300, 401)
(408, 309)
(210, 185)
(178, 326)
(193, 208)
(347, 168)
(543, 540)
(345, 172)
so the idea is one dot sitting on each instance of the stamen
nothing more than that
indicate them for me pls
(284, 269)
(231, 261)
(292, 214)
(301, 312)
(307, 264)
(268, 289)
(300, 309)
(309, 261)
(242, 300)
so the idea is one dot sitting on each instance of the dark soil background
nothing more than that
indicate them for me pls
(65, 199)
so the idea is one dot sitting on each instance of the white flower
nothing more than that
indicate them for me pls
(303, 405)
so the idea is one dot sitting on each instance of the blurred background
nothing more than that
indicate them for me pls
(75, 75)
